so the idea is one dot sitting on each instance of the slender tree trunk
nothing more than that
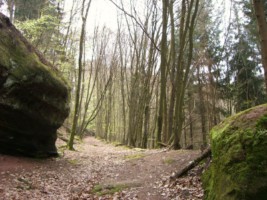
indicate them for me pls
(146, 127)
(202, 108)
(78, 89)
(163, 66)
(212, 93)
(179, 77)
(190, 110)
(172, 73)
(122, 85)
(99, 121)
(262, 26)
(188, 17)
(108, 128)
(185, 131)
(82, 93)
(122, 73)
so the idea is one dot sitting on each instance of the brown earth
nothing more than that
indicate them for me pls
(98, 170)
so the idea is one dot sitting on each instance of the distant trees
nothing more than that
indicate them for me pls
(134, 62)
(40, 22)
(187, 25)
(248, 86)
(24, 10)
(245, 82)
(164, 77)
(175, 66)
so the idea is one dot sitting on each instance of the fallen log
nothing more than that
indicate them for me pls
(206, 153)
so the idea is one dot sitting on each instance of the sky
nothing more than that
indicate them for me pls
(102, 12)
(3, 8)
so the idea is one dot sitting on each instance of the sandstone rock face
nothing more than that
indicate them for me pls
(239, 163)
(34, 98)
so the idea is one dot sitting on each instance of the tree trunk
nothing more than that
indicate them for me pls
(78, 89)
(212, 94)
(163, 67)
(180, 76)
(262, 26)
(172, 75)
(187, 25)
(122, 88)
(202, 109)
(190, 110)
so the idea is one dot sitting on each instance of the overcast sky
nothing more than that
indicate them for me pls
(101, 12)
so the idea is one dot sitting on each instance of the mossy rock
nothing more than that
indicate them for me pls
(239, 157)
(34, 97)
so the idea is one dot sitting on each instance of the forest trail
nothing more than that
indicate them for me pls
(98, 170)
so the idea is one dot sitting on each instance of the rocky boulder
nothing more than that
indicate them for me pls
(239, 157)
(34, 98)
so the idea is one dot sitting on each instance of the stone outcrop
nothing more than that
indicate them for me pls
(34, 98)
(239, 157)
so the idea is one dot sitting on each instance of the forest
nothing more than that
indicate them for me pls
(164, 76)
(145, 78)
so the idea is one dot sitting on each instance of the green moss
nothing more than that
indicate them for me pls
(28, 74)
(168, 161)
(22, 61)
(73, 161)
(262, 122)
(97, 189)
(134, 156)
(239, 167)
(102, 190)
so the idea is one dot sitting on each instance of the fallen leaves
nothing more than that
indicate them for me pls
(186, 187)
(76, 175)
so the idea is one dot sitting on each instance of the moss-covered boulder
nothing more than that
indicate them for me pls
(34, 98)
(239, 158)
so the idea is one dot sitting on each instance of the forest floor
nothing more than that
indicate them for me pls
(97, 170)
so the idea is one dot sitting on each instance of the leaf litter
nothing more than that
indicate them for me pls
(101, 171)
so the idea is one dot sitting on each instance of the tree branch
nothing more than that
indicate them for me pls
(138, 23)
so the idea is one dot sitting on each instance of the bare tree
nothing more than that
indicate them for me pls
(187, 24)
(163, 69)
(84, 15)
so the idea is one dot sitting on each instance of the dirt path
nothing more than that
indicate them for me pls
(97, 171)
